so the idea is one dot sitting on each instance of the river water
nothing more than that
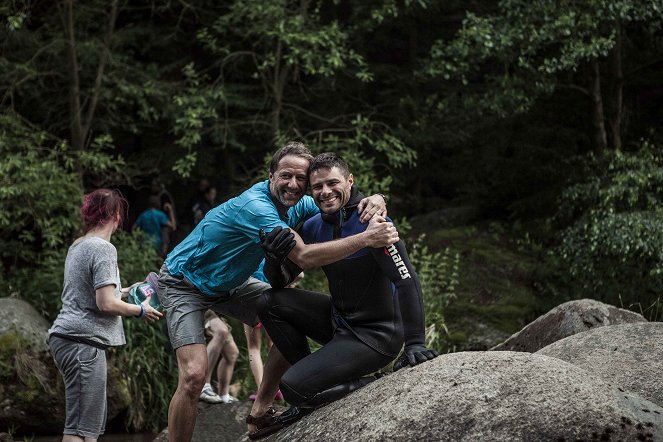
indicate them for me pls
(111, 437)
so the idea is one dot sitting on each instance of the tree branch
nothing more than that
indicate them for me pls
(105, 55)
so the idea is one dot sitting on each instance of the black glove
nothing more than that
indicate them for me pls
(413, 355)
(277, 244)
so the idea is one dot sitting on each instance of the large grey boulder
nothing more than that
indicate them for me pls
(486, 396)
(626, 355)
(31, 387)
(217, 423)
(19, 316)
(221, 422)
(565, 320)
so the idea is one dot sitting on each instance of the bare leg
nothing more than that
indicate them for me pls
(226, 366)
(218, 331)
(192, 366)
(268, 342)
(253, 343)
(274, 369)
(73, 438)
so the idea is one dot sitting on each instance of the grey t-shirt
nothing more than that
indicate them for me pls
(90, 264)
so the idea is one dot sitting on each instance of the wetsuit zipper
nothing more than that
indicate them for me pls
(338, 227)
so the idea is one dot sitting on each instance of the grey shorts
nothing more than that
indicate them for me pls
(185, 306)
(83, 369)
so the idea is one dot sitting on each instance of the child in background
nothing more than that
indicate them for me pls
(222, 353)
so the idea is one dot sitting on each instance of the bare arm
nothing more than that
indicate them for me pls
(110, 305)
(379, 233)
(172, 223)
(125, 290)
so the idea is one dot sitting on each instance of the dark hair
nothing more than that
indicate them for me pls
(100, 206)
(294, 148)
(327, 160)
(154, 202)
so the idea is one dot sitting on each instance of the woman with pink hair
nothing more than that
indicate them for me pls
(90, 320)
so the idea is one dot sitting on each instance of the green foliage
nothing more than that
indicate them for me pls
(613, 236)
(147, 359)
(195, 107)
(136, 255)
(439, 276)
(150, 368)
(10, 344)
(40, 196)
(372, 152)
(285, 32)
(513, 56)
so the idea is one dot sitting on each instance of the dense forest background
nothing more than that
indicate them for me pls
(538, 121)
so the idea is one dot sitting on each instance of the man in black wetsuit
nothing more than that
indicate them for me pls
(376, 304)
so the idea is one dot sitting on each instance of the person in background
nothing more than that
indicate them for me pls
(204, 205)
(154, 221)
(166, 204)
(90, 319)
(254, 349)
(222, 353)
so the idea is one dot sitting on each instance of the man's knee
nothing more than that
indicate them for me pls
(265, 302)
(192, 366)
(293, 390)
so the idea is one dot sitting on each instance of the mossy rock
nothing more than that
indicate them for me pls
(18, 315)
(31, 399)
(31, 387)
(499, 289)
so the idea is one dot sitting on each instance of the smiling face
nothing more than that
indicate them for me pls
(330, 189)
(288, 182)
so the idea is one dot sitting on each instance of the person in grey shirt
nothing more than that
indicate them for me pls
(91, 316)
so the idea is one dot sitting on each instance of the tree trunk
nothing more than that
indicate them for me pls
(76, 123)
(81, 119)
(600, 138)
(278, 86)
(617, 91)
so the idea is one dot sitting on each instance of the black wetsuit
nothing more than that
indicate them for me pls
(360, 325)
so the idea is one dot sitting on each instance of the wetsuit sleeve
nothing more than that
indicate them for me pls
(280, 275)
(278, 269)
(394, 262)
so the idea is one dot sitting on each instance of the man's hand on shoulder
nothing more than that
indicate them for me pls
(413, 355)
(380, 233)
(374, 205)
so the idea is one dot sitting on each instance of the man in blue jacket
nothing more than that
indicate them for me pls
(212, 267)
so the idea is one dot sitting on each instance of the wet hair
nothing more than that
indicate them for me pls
(328, 160)
(294, 148)
(100, 207)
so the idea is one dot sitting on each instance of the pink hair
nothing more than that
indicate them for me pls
(101, 206)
